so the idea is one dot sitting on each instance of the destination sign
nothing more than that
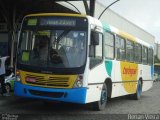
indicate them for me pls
(57, 22)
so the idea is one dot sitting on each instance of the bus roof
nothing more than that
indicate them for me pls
(124, 34)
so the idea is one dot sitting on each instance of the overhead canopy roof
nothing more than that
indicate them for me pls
(19, 8)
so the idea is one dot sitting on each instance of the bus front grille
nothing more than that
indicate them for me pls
(48, 81)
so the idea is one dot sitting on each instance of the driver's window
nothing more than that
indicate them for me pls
(97, 51)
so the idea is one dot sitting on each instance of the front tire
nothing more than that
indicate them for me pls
(101, 104)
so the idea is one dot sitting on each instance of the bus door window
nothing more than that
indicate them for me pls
(96, 54)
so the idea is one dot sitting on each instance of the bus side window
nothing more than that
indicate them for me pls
(109, 45)
(138, 53)
(96, 55)
(150, 56)
(129, 50)
(144, 55)
(120, 48)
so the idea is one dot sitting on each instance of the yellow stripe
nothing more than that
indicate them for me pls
(57, 14)
(127, 36)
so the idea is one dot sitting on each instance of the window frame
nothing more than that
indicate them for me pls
(144, 47)
(122, 49)
(111, 33)
(133, 45)
(94, 49)
(140, 62)
(150, 62)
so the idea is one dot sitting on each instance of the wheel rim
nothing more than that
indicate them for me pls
(103, 96)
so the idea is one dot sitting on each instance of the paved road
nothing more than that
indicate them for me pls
(36, 109)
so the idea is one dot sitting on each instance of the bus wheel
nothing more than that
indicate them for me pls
(138, 93)
(101, 104)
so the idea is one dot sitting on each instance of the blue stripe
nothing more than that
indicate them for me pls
(75, 95)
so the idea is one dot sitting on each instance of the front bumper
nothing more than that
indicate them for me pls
(75, 95)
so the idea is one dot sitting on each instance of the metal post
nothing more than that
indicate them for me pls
(92, 7)
(13, 36)
(86, 7)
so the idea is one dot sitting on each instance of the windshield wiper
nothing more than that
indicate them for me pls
(62, 35)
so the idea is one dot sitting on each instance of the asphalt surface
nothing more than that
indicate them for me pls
(117, 108)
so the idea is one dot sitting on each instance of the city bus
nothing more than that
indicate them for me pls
(79, 59)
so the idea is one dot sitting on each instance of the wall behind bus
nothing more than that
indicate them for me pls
(123, 24)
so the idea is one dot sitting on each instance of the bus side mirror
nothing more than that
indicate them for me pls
(94, 38)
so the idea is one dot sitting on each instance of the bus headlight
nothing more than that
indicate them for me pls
(79, 81)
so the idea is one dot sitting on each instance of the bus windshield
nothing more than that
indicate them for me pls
(46, 46)
(56, 48)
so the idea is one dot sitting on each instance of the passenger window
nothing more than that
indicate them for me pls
(144, 55)
(109, 45)
(120, 48)
(129, 50)
(150, 56)
(138, 53)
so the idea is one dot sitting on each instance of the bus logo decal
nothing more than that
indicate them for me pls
(129, 75)
(129, 71)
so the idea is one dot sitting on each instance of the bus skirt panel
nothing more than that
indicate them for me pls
(75, 95)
